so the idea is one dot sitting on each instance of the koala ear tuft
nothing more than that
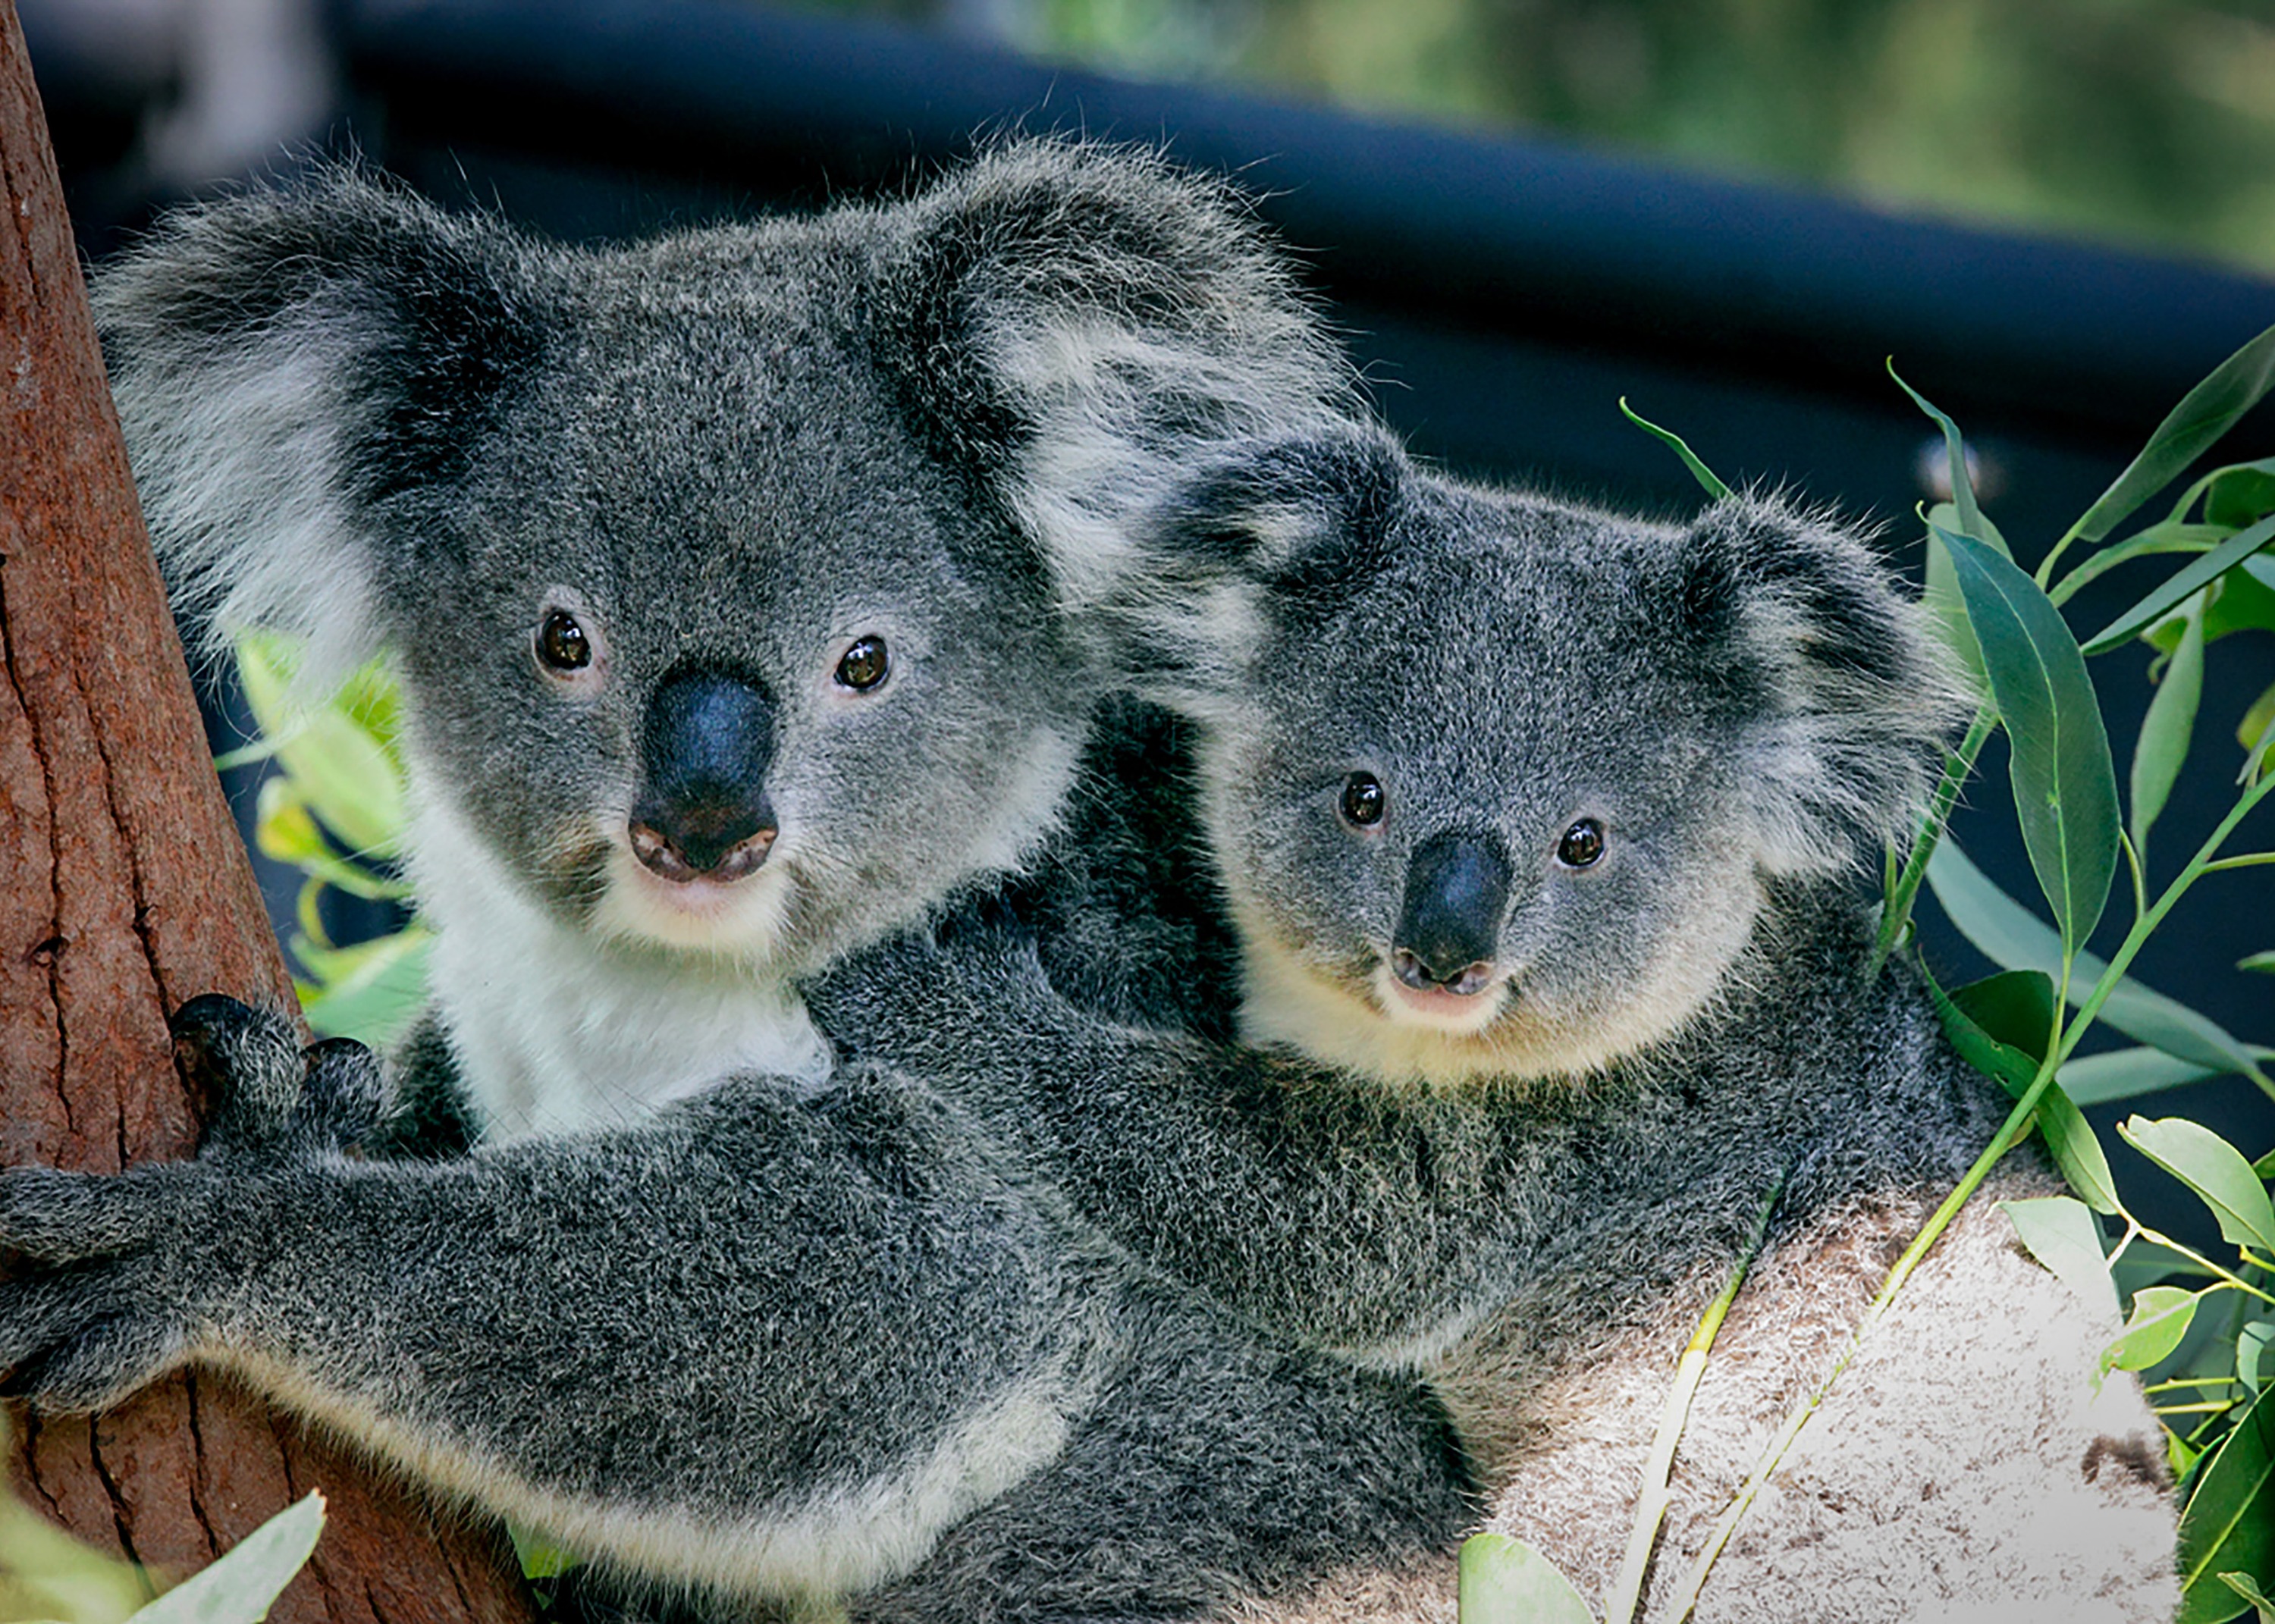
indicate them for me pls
(1269, 531)
(1083, 322)
(1850, 697)
(294, 369)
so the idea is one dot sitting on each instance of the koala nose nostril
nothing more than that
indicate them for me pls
(1449, 931)
(1440, 976)
(693, 846)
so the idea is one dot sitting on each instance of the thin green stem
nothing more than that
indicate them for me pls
(2010, 1133)
(2224, 1279)
(2250, 859)
(1652, 1502)
(2193, 1409)
(1898, 908)
(2178, 1382)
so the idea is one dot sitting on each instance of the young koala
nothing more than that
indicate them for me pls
(1538, 831)
(741, 584)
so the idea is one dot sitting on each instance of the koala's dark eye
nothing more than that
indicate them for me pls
(864, 666)
(1583, 845)
(1363, 800)
(562, 644)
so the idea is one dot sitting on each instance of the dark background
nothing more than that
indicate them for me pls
(1501, 294)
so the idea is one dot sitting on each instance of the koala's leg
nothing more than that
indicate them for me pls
(1217, 1467)
(768, 1346)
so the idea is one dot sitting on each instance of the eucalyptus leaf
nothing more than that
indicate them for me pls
(1699, 471)
(238, 1587)
(1954, 449)
(2126, 1073)
(2254, 1355)
(2229, 1524)
(2159, 1319)
(1940, 597)
(2063, 1235)
(2252, 731)
(2163, 746)
(2001, 1025)
(2010, 935)
(1505, 1580)
(2244, 601)
(2212, 1167)
(2189, 578)
(2242, 1585)
(2065, 781)
(2191, 428)
(2264, 962)
(2236, 495)
(376, 998)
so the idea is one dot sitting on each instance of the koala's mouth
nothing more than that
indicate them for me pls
(739, 908)
(1461, 1008)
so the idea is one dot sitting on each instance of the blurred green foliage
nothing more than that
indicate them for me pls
(2146, 121)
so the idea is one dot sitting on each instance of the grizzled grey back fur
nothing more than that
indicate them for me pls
(1526, 1182)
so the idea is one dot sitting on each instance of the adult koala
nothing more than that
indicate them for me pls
(739, 583)
(1538, 830)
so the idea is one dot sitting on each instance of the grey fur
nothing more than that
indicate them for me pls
(1531, 1202)
(704, 1303)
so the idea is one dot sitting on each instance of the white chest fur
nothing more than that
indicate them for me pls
(557, 1031)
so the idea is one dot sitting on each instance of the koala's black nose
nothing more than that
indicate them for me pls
(705, 748)
(1456, 891)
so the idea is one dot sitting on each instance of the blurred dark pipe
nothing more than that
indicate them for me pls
(1522, 237)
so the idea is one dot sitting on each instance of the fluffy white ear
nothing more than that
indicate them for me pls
(1285, 527)
(1089, 323)
(294, 369)
(1855, 694)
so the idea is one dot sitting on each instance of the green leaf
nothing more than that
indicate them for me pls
(2064, 1237)
(2009, 936)
(372, 992)
(2241, 1584)
(2229, 1525)
(2190, 578)
(2191, 428)
(2251, 732)
(1962, 484)
(340, 755)
(238, 1587)
(1505, 1580)
(2125, 1074)
(1699, 471)
(2065, 783)
(2001, 1025)
(2159, 1319)
(2171, 722)
(2265, 1166)
(2237, 495)
(2254, 1355)
(2264, 962)
(540, 1557)
(2212, 1167)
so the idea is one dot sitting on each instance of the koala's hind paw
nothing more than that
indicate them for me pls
(265, 1090)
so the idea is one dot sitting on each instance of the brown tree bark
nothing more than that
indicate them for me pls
(123, 890)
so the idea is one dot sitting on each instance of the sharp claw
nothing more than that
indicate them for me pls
(245, 1063)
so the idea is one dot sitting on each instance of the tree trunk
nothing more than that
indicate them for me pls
(123, 890)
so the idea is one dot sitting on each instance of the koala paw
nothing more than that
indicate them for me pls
(90, 1319)
(267, 1093)
(111, 1280)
